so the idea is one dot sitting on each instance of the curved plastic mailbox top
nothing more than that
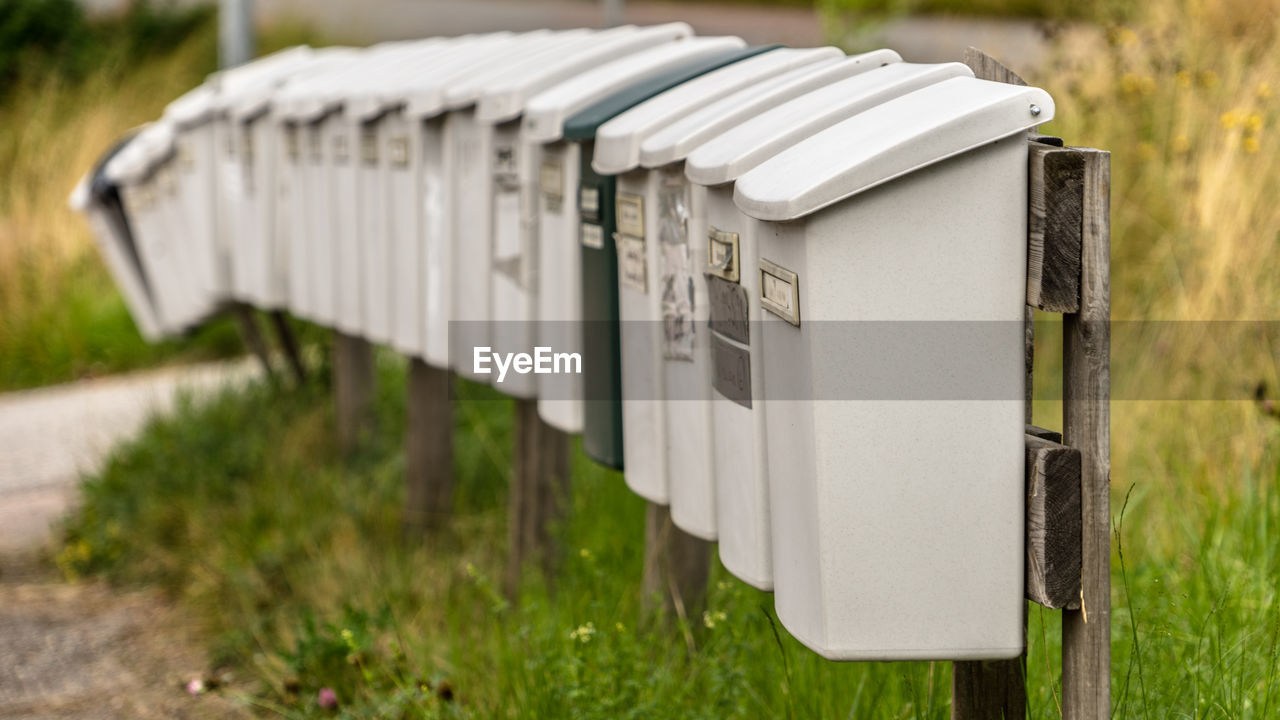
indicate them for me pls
(546, 113)
(506, 99)
(618, 141)
(426, 97)
(193, 107)
(390, 89)
(886, 142)
(535, 54)
(135, 161)
(736, 151)
(675, 141)
(258, 98)
(584, 124)
(233, 82)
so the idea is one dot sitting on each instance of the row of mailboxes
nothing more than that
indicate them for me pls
(710, 227)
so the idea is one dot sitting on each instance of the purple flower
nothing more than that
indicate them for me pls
(195, 686)
(327, 698)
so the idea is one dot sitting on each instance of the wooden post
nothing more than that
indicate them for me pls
(252, 336)
(428, 450)
(539, 494)
(353, 380)
(1086, 378)
(289, 345)
(676, 565)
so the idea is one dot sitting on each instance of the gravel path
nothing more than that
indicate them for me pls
(49, 436)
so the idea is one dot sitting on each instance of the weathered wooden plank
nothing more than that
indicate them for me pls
(985, 67)
(1086, 633)
(1056, 192)
(428, 450)
(1053, 523)
(676, 566)
(353, 381)
(539, 495)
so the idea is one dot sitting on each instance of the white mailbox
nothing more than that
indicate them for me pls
(472, 146)
(426, 108)
(640, 195)
(514, 279)
(382, 101)
(136, 171)
(559, 258)
(192, 119)
(728, 242)
(98, 199)
(892, 266)
(683, 289)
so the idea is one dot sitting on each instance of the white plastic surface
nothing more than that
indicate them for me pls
(546, 113)
(618, 141)
(726, 157)
(889, 141)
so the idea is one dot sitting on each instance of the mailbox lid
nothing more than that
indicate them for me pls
(393, 88)
(618, 141)
(506, 99)
(885, 142)
(134, 163)
(534, 55)
(584, 124)
(739, 149)
(258, 98)
(310, 97)
(426, 97)
(194, 107)
(674, 142)
(546, 113)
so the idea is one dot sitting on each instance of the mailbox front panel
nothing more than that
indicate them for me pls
(437, 239)
(196, 177)
(896, 520)
(560, 280)
(291, 216)
(514, 270)
(375, 260)
(101, 204)
(601, 365)
(737, 381)
(401, 167)
(320, 218)
(344, 140)
(644, 432)
(472, 227)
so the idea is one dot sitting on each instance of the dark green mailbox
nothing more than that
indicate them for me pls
(601, 365)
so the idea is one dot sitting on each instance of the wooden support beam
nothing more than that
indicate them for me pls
(1056, 197)
(251, 334)
(1053, 522)
(539, 496)
(289, 345)
(428, 450)
(353, 382)
(676, 566)
(1086, 379)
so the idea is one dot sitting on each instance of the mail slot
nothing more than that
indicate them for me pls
(601, 364)
(514, 282)
(728, 243)
(472, 143)
(892, 257)
(557, 161)
(648, 201)
(684, 343)
(98, 199)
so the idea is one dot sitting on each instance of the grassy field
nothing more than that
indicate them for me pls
(292, 558)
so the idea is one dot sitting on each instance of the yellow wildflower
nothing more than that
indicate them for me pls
(1181, 144)
(1251, 144)
(1264, 91)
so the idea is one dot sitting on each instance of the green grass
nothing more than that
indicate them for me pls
(293, 560)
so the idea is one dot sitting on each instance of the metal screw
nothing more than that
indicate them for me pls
(1035, 110)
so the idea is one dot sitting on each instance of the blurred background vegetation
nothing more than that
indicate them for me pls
(290, 556)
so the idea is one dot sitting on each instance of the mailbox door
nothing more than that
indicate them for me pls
(472, 226)
(375, 280)
(320, 219)
(737, 387)
(228, 202)
(601, 365)
(343, 147)
(639, 313)
(268, 290)
(560, 280)
(196, 178)
(401, 163)
(686, 354)
(514, 269)
(437, 238)
(291, 216)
